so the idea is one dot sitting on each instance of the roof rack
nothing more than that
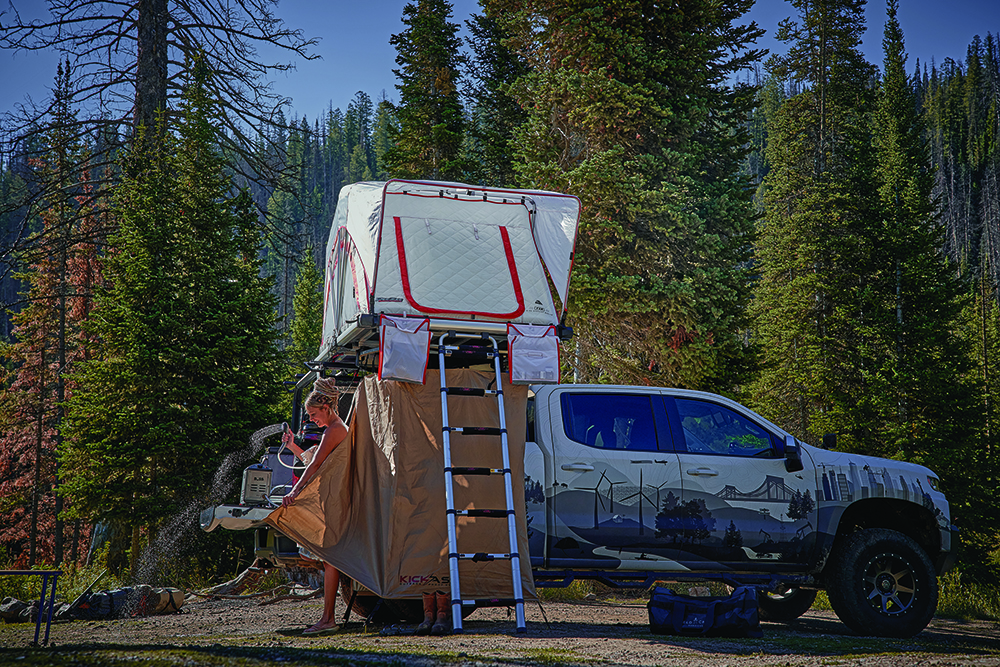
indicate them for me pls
(357, 347)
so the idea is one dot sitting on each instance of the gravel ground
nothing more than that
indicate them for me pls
(605, 631)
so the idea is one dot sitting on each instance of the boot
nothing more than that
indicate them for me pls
(441, 625)
(425, 626)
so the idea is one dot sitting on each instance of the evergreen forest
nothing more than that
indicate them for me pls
(809, 233)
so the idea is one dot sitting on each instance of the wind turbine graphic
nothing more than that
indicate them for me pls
(611, 494)
(642, 496)
(662, 484)
(597, 496)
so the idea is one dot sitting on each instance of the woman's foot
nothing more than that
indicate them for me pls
(321, 628)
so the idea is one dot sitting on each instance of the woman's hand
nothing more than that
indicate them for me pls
(289, 498)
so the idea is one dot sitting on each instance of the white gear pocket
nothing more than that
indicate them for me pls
(533, 353)
(404, 345)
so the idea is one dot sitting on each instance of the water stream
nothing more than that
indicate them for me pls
(171, 540)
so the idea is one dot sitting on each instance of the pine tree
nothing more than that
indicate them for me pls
(384, 128)
(335, 154)
(48, 341)
(629, 108)
(12, 190)
(188, 366)
(431, 124)
(915, 365)
(971, 497)
(817, 226)
(358, 126)
(494, 115)
(307, 322)
(294, 211)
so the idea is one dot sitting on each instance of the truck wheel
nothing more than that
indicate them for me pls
(786, 605)
(881, 583)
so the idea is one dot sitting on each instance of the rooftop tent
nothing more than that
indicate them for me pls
(446, 250)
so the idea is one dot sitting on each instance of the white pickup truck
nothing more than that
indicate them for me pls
(629, 485)
(686, 484)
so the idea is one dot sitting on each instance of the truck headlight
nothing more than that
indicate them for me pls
(934, 483)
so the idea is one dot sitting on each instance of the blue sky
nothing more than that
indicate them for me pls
(354, 44)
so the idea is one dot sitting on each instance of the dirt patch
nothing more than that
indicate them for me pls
(595, 632)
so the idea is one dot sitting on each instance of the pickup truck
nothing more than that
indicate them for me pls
(631, 485)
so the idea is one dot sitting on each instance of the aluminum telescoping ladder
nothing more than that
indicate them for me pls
(453, 554)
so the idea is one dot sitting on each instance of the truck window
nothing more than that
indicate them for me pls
(710, 428)
(610, 421)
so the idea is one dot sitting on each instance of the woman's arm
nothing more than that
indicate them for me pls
(332, 437)
(288, 439)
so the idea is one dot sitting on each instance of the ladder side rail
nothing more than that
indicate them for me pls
(515, 559)
(449, 495)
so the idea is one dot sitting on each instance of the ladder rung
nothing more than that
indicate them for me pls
(481, 557)
(470, 349)
(470, 391)
(492, 514)
(476, 430)
(489, 602)
(477, 471)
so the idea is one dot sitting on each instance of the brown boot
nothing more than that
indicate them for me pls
(441, 625)
(425, 627)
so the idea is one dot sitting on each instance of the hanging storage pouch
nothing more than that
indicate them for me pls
(404, 345)
(533, 353)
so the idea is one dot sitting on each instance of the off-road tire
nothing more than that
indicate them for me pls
(786, 605)
(881, 583)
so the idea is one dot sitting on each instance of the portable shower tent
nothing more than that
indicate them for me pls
(446, 251)
(470, 260)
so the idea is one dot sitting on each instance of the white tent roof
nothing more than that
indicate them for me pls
(554, 225)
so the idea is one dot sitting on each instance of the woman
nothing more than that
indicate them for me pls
(321, 406)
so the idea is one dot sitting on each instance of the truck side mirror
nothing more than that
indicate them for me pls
(793, 455)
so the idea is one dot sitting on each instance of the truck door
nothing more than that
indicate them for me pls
(613, 461)
(738, 503)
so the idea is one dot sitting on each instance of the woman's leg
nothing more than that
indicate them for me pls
(331, 582)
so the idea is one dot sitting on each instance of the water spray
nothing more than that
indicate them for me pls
(167, 544)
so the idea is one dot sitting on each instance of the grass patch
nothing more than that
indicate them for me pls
(967, 601)
(75, 579)
(822, 602)
(576, 591)
(272, 579)
(72, 582)
(549, 656)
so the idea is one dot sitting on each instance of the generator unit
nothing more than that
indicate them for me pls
(256, 485)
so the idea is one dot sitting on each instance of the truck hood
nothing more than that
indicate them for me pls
(846, 477)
